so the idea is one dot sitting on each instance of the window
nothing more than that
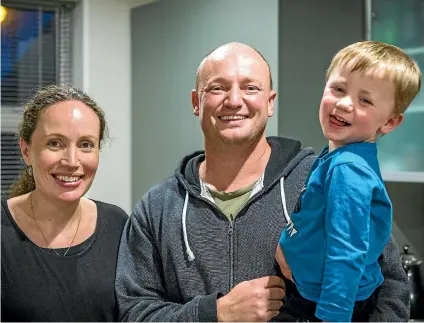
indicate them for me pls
(35, 51)
(401, 23)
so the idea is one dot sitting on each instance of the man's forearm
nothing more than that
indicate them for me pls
(393, 299)
(199, 309)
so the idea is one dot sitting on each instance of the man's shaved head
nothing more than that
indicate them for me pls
(228, 49)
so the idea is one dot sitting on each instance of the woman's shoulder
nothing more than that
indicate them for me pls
(110, 210)
(15, 202)
(14, 207)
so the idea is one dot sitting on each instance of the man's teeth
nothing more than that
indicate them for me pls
(69, 179)
(233, 117)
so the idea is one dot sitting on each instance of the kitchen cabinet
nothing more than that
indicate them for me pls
(401, 23)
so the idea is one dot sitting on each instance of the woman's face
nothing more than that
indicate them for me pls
(64, 150)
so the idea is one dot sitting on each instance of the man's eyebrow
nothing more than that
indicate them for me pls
(217, 79)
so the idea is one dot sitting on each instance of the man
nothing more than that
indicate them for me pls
(201, 246)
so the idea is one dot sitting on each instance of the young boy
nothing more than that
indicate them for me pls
(342, 220)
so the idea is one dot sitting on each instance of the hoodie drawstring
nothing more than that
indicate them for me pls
(190, 254)
(283, 200)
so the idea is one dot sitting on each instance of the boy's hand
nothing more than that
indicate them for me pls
(284, 267)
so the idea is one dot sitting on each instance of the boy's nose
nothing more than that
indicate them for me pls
(345, 104)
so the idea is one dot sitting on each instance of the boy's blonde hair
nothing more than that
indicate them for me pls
(398, 66)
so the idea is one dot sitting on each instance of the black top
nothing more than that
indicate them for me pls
(38, 285)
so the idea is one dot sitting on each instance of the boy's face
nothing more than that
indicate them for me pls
(357, 106)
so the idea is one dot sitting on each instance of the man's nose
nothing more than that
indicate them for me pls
(345, 104)
(234, 98)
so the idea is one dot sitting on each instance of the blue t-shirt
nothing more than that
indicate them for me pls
(339, 229)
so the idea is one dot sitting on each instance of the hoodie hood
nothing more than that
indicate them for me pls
(286, 154)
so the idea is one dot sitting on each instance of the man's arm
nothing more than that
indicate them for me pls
(140, 290)
(393, 299)
(141, 294)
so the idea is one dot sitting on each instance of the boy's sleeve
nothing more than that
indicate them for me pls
(349, 189)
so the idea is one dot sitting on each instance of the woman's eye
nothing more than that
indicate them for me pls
(54, 144)
(87, 145)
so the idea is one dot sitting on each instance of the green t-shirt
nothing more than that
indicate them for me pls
(230, 203)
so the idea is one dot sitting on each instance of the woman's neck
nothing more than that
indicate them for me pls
(55, 212)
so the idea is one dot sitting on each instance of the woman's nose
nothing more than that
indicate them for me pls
(71, 158)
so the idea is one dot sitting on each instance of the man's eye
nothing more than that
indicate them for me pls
(252, 88)
(216, 89)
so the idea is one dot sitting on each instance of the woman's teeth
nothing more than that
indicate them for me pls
(68, 179)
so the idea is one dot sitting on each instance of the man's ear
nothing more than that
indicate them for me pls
(271, 103)
(195, 102)
(25, 151)
(391, 124)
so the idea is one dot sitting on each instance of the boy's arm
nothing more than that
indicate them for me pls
(393, 299)
(348, 190)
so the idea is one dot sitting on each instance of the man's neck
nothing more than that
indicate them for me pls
(233, 167)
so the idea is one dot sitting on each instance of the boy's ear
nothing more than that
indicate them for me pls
(391, 124)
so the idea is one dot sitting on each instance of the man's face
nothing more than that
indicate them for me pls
(234, 98)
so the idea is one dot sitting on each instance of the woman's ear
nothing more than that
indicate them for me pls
(391, 124)
(25, 148)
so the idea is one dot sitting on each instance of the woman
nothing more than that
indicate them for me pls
(59, 249)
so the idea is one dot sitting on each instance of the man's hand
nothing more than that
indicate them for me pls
(253, 300)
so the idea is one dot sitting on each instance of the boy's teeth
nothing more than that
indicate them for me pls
(340, 119)
(67, 178)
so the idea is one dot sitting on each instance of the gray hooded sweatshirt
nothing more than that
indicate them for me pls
(179, 253)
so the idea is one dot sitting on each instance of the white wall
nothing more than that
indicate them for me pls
(169, 39)
(102, 68)
(311, 32)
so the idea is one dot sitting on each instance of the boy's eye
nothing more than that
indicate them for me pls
(366, 101)
(339, 89)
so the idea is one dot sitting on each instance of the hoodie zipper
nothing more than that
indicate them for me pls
(231, 236)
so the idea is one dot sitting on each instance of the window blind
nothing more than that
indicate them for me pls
(36, 50)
